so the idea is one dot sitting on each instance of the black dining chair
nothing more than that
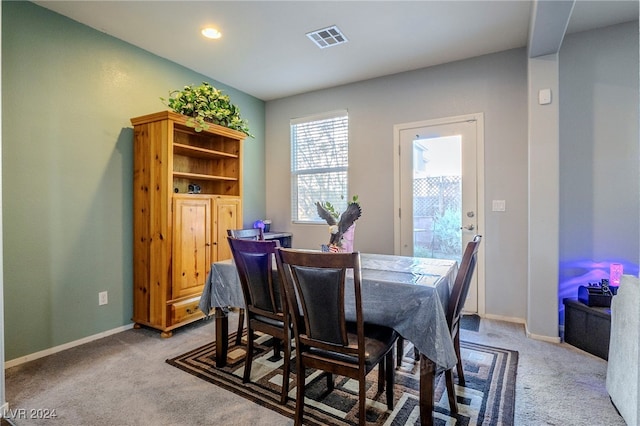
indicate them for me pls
(457, 298)
(314, 283)
(244, 234)
(456, 302)
(265, 305)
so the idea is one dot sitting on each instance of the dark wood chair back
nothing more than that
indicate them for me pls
(265, 305)
(460, 289)
(246, 234)
(318, 280)
(457, 298)
(315, 285)
(254, 262)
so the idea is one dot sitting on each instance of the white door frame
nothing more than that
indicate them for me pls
(397, 128)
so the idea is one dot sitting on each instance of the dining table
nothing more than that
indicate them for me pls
(408, 294)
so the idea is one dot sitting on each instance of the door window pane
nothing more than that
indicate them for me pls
(437, 197)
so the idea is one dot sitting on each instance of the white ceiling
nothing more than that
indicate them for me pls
(264, 51)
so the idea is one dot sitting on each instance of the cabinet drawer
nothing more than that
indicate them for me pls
(185, 310)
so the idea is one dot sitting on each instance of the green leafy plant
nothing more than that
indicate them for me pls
(332, 209)
(447, 227)
(205, 104)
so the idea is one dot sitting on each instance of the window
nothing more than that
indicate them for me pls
(319, 162)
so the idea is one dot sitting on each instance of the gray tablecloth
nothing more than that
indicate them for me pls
(406, 293)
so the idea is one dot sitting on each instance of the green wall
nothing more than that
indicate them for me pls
(68, 94)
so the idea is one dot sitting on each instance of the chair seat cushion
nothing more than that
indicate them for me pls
(378, 340)
(269, 321)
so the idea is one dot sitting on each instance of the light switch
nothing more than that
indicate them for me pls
(544, 96)
(498, 206)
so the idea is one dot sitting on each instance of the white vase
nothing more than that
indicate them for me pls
(347, 239)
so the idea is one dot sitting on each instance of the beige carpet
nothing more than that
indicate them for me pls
(123, 379)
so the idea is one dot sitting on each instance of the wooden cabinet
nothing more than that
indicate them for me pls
(226, 216)
(187, 193)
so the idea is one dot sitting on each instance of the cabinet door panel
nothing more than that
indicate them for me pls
(228, 215)
(192, 245)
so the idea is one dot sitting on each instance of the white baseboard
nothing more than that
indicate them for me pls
(550, 339)
(60, 348)
(503, 318)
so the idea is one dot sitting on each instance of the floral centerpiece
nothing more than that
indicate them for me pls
(341, 226)
(205, 104)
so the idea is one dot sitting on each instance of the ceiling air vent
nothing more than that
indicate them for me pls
(327, 37)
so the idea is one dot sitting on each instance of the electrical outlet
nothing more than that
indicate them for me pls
(103, 298)
(498, 205)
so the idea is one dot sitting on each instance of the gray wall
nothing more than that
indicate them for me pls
(495, 85)
(543, 227)
(68, 94)
(599, 173)
(598, 183)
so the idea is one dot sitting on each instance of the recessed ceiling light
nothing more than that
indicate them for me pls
(327, 37)
(211, 33)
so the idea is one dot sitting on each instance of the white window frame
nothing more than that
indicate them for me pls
(336, 195)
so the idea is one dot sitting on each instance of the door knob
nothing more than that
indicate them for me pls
(468, 227)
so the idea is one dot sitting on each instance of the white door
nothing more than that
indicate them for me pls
(438, 190)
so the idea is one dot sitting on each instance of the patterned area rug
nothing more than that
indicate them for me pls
(487, 399)
(470, 322)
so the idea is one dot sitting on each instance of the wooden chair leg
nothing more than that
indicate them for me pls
(451, 391)
(240, 327)
(390, 379)
(330, 384)
(459, 367)
(248, 358)
(382, 367)
(399, 351)
(285, 369)
(276, 347)
(299, 393)
(362, 399)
